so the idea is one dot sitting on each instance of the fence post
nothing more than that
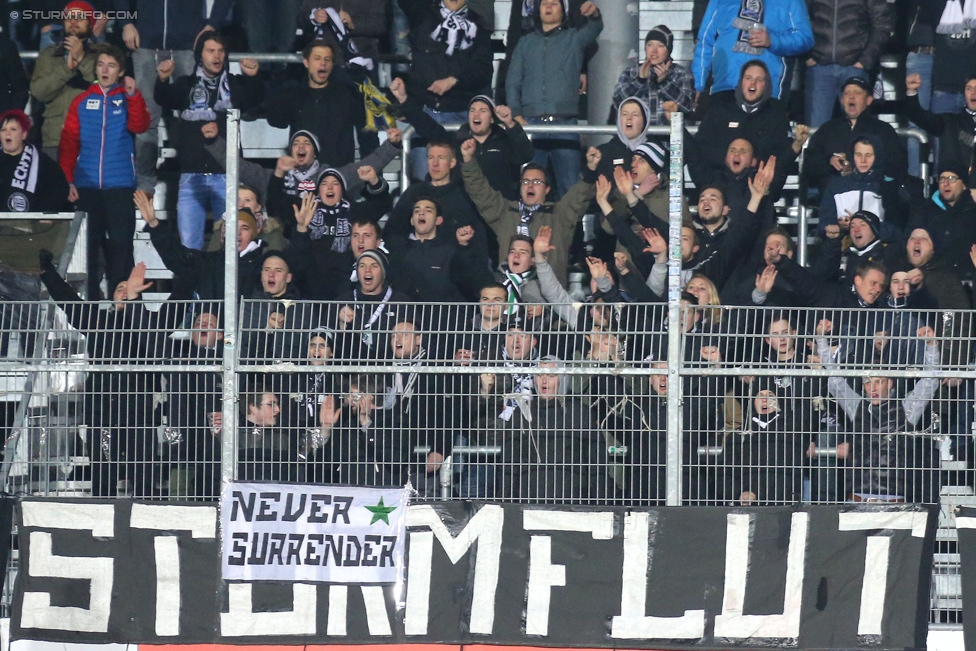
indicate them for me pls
(675, 192)
(228, 449)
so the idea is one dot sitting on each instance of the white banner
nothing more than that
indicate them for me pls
(291, 532)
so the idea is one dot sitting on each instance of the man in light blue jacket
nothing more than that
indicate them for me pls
(736, 31)
(543, 83)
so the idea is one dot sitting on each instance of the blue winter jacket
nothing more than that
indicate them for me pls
(789, 34)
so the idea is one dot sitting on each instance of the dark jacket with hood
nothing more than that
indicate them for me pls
(765, 124)
(846, 32)
(864, 191)
(618, 151)
(835, 135)
(955, 226)
(471, 65)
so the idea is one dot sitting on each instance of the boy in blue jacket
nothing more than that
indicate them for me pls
(96, 156)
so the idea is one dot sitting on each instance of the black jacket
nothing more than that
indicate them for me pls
(191, 145)
(14, 84)
(955, 225)
(203, 271)
(846, 32)
(768, 129)
(332, 113)
(501, 155)
(472, 67)
(427, 270)
(835, 136)
(955, 131)
(50, 192)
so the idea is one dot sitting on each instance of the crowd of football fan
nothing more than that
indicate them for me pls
(491, 229)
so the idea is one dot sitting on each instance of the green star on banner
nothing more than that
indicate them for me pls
(380, 512)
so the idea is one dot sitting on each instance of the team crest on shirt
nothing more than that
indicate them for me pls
(117, 101)
(17, 202)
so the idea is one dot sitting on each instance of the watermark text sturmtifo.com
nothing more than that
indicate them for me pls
(59, 16)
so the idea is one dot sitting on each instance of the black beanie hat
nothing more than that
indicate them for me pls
(661, 34)
(871, 219)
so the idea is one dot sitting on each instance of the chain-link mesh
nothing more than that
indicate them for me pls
(542, 404)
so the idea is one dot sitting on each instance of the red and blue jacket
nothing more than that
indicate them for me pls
(97, 147)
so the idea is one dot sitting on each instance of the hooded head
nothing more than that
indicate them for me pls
(922, 246)
(320, 346)
(371, 269)
(632, 122)
(755, 87)
(549, 386)
(866, 153)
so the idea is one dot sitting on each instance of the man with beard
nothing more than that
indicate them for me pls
(64, 71)
(29, 180)
(502, 147)
(333, 111)
(750, 113)
(955, 130)
(889, 464)
(202, 100)
(532, 211)
(447, 190)
(826, 156)
(950, 214)
(157, 31)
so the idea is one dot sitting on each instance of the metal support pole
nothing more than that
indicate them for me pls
(228, 449)
(614, 46)
(675, 192)
(408, 133)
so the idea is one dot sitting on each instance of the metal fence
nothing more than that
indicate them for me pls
(557, 404)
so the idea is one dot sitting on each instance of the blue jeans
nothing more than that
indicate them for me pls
(823, 87)
(269, 25)
(920, 64)
(418, 147)
(563, 151)
(198, 193)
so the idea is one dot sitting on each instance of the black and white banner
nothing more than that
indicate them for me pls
(843, 577)
(282, 532)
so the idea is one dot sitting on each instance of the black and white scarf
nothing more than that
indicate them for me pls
(375, 316)
(405, 379)
(953, 20)
(455, 30)
(521, 394)
(751, 14)
(298, 180)
(334, 221)
(526, 213)
(24, 181)
(208, 96)
(336, 28)
(513, 285)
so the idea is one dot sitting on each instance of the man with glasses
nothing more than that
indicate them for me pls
(531, 212)
(950, 214)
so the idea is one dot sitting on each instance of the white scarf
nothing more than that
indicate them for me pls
(952, 20)
(522, 385)
(455, 30)
(24, 179)
(208, 90)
